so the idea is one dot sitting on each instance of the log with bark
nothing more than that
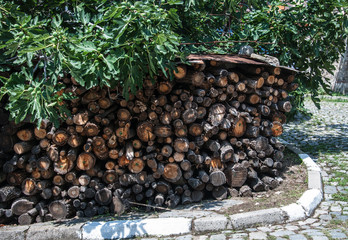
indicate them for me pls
(209, 132)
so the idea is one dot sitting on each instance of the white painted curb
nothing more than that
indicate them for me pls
(135, 228)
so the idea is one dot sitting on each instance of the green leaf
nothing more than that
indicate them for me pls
(86, 46)
(34, 48)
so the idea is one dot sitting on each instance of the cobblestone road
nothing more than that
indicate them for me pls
(325, 137)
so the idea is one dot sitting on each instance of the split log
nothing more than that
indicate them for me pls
(245, 191)
(216, 114)
(29, 187)
(145, 132)
(117, 206)
(180, 71)
(236, 175)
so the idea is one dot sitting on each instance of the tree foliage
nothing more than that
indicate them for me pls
(109, 43)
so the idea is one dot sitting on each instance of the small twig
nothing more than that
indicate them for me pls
(11, 59)
(45, 65)
(219, 14)
(215, 42)
(36, 67)
(147, 205)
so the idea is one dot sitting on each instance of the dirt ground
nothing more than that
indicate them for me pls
(294, 183)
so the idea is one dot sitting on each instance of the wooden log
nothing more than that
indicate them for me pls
(22, 147)
(189, 116)
(25, 219)
(8, 193)
(85, 161)
(226, 152)
(15, 178)
(240, 87)
(252, 131)
(58, 180)
(239, 128)
(217, 178)
(236, 175)
(277, 128)
(21, 206)
(167, 150)
(63, 165)
(186, 199)
(163, 131)
(91, 129)
(216, 114)
(213, 145)
(44, 163)
(245, 191)
(40, 133)
(253, 99)
(117, 206)
(284, 106)
(103, 197)
(145, 132)
(25, 135)
(81, 118)
(70, 177)
(164, 87)
(271, 182)
(255, 83)
(58, 209)
(172, 172)
(257, 185)
(180, 71)
(196, 184)
(181, 145)
(104, 102)
(110, 176)
(197, 196)
(29, 187)
(233, 77)
(219, 193)
(73, 192)
(136, 165)
(60, 137)
(194, 78)
(264, 110)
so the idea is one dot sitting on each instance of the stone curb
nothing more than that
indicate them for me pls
(167, 226)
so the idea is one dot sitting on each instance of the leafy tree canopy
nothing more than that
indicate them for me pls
(107, 43)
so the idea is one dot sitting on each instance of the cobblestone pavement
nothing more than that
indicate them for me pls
(325, 137)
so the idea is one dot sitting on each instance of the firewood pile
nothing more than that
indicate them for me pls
(209, 133)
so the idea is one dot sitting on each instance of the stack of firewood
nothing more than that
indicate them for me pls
(209, 133)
